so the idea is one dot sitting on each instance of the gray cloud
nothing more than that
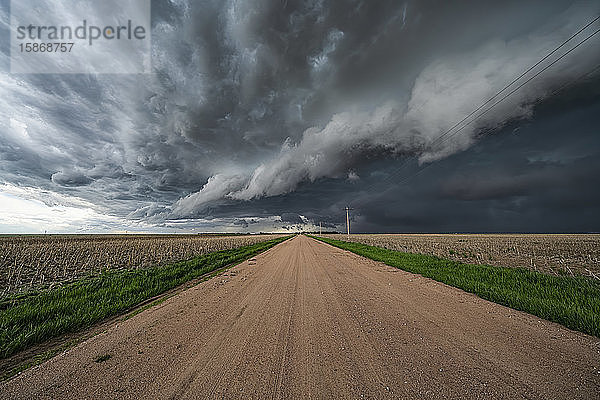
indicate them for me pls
(71, 178)
(253, 101)
(444, 91)
(291, 218)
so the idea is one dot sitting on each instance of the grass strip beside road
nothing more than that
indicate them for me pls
(81, 304)
(571, 301)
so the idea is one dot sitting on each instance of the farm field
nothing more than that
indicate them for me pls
(556, 254)
(29, 263)
(306, 319)
(29, 320)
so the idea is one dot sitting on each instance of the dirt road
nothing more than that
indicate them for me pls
(307, 320)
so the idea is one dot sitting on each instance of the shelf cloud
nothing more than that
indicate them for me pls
(255, 103)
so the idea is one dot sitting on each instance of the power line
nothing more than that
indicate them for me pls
(563, 87)
(528, 80)
(510, 93)
(519, 77)
(507, 86)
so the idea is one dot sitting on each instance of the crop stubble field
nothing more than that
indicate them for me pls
(32, 262)
(549, 253)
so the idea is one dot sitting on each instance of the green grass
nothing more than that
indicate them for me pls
(571, 301)
(76, 306)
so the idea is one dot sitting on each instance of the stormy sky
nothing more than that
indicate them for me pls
(274, 115)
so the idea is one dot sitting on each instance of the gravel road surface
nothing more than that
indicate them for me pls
(307, 320)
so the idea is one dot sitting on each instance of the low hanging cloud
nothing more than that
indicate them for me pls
(217, 188)
(250, 99)
(442, 94)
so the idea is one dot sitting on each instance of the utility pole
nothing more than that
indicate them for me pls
(348, 221)
(320, 229)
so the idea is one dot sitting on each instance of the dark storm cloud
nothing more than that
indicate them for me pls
(540, 177)
(245, 223)
(241, 222)
(285, 108)
(479, 190)
(291, 218)
(71, 178)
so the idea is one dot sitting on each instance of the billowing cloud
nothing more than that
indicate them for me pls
(442, 94)
(253, 100)
(216, 188)
(291, 218)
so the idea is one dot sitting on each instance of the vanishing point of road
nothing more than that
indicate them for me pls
(307, 320)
